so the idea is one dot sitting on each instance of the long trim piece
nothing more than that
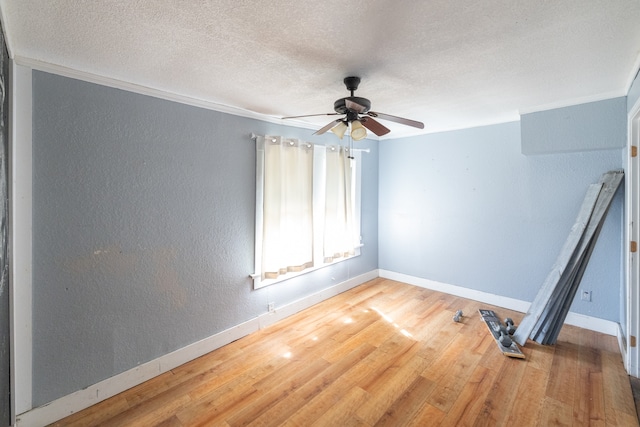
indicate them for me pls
(154, 92)
(223, 108)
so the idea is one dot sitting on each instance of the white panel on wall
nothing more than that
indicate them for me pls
(20, 241)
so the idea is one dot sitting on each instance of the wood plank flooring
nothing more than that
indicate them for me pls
(383, 354)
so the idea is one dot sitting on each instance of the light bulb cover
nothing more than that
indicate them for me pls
(340, 129)
(358, 131)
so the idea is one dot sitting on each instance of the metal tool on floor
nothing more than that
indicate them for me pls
(500, 333)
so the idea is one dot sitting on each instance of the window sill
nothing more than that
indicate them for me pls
(261, 283)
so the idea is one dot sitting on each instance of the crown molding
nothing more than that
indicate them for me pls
(149, 91)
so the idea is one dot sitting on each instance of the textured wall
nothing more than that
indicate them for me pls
(598, 125)
(467, 208)
(143, 230)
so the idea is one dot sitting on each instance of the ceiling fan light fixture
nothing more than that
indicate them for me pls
(358, 131)
(340, 129)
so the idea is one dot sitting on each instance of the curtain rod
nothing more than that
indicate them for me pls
(366, 150)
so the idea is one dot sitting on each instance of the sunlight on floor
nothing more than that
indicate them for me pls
(390, 320)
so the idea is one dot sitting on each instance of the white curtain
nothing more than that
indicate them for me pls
(339, 228)
(287, 243)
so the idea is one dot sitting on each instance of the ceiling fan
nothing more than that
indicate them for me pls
(357, 114)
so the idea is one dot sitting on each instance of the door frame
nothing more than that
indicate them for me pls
(632, 282)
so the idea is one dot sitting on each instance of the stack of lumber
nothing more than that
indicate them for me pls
(549, 309)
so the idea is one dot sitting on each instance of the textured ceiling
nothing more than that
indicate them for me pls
(450, 64)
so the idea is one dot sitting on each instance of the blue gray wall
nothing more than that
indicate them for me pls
(467, 208)
(598, 125)
(143, 230)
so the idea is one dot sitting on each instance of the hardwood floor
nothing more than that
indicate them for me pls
(384, 353)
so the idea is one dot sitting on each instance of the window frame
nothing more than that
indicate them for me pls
(319, 158)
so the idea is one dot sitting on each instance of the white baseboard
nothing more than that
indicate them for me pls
(285, 311)
(96, 393)
(587, 322)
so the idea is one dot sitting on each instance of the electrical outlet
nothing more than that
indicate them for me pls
(272, 307)
(586, 296)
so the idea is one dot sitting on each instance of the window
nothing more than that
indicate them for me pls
(307, 207)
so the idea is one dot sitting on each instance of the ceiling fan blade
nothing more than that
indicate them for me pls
(374, 126)
(396, 119)
(354, 106)
(327, 127)
(311, 115)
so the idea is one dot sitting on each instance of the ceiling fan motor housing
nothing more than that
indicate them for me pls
(340, 106)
